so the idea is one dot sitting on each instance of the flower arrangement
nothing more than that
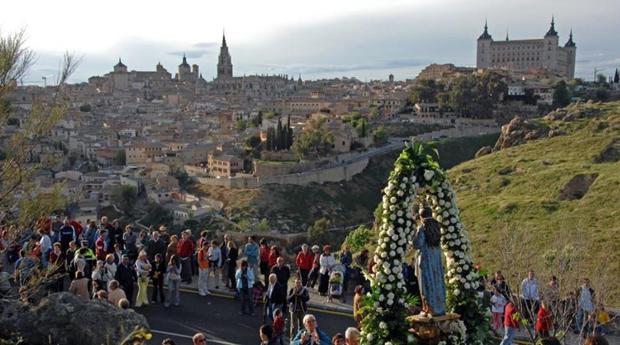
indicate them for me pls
(386, 306)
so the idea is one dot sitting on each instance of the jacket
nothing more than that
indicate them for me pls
(298, 301)
(125, 276)
(544, 321)
(283, 273)
(304, 261)
(250, 278)
(323, 338)
(509, 316)
(278, 295)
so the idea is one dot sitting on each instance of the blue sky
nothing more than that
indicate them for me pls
(365, 39)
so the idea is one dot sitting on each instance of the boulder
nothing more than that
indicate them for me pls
(485, 150)
(610, 154)
(62, 318)
(519, 131)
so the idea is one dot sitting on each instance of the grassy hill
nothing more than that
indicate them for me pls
(537, 194)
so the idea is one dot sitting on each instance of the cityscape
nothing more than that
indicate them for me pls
(110, 181)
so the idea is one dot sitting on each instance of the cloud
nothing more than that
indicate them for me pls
(193, 54)
(205, 45)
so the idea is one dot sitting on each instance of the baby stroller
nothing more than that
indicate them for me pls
(336, 283)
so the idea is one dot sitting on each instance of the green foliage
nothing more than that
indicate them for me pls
(157, 215)
(281, 137)
(192, 224)
(125, 198)
(426, 90)
(319, 231)
(263, 225)
(185, 181)
(315, 139)
(379, 135)
(360, 238)
(244, 225)
(561, 94)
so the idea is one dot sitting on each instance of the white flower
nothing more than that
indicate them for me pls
(399, 213)
(370, 337)
(381, 298)
(457, 292)
(392, 253)
(428, 174)
(400, 193)
(392, 207)
(390, 302)
(388, 287)
(383, 325)
(458, 269)
(401, 221)
(393, 199)
(413, 178)
(383, 254)
(405, 179)
(392, 216)
(466, 286)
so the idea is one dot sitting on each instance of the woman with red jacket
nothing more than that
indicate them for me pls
(304, 262)
(544, 321)
(263, 256)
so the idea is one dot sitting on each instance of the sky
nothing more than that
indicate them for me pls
(367, 39)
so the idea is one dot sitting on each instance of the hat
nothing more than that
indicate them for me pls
(315, 248)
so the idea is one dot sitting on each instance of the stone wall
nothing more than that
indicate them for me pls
(333, 174)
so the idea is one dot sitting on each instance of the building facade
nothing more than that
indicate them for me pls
(528, 54)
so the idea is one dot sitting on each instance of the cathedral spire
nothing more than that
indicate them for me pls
(507, 39)
(223, 38)
(485, 34)
(570, 43)
(552, 31)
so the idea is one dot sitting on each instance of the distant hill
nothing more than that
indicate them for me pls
(552, 186)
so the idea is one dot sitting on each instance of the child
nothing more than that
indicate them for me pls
(498, 302)
(259, 289)
(602, 319)
(544, 321)
(278, 326)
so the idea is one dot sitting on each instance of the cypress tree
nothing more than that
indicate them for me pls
(279, 136)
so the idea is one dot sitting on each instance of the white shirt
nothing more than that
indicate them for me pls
(498, 302)
(46, 243)
(529, 289)
(326, 262)
(585, 300)
(215, 254)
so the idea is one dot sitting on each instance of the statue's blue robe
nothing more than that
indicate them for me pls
(430, 273)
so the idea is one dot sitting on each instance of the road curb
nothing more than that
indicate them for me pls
(313, 306)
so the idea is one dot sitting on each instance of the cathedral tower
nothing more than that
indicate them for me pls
(224, 63)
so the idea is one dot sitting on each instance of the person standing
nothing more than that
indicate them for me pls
(101, 244)
(203, 268)
(126, 276)
(357, 304)
(215, 262)
(158, 272)
(155, 246)
(130, 241)
(45, 244)
(224, 264)
(275, 298)
(173, 274)
(264, 252)
(265, 333)
(498, 303)
(115, 294)
(251, 252)
(530, 296)
(79, 286)
(585, 304)
(245, 282)
(346, 259)
(313, 276)
(143, 269)
(544, 321)
(115, 233)
(66, 234)
(233, 255)
(304, 263)
(352, 336)
(511, 323)
(298, 298)
(327, 262)
(172, 248)
(282, 272)
(185, 251)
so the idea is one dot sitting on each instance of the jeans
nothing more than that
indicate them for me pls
(509, 335)
(173, 293)
(247, 305)
(158, 289)
(203, 281)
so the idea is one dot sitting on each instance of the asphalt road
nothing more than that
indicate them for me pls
(218, 318)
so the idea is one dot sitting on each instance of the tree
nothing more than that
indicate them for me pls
(601, 79)
(125, 198)
(379, 134)
(319, 231)
(241, 125)
(18, 167)
(315, 138)
(263, 225)
(185, 181)
(616, 77)
(561, 95)
(120, 158)
(425, 91)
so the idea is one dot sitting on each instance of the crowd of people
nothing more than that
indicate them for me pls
(107, 262)
(543, 310)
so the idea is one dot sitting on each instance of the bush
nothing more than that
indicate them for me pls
(360, 238)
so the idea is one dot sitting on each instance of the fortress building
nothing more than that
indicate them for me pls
(529, 54)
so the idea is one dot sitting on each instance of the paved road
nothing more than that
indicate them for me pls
(219, 319)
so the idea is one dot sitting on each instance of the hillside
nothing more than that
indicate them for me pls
(291, 208)
(537, 194)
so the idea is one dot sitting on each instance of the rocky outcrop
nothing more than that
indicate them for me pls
(577, 187)
(62, 318)
(610, 154)
(485, 150)
(519, 131)
(572, 113)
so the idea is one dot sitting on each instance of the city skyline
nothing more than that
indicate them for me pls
(278, 38)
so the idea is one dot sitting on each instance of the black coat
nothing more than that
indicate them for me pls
(125, 276)
(298, 300)
(278, 295)
(158, 271)
(283, 273)
(155, 247)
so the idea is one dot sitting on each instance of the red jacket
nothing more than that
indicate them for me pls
(509, 316)
(100, 249)
(185, 248)
(544, 321)
(273, 259)
(304, 261)
(278, 326)
(264, 253)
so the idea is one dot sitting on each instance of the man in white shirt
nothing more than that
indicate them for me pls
(529, 293)
(585, 304)
(45, 243)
